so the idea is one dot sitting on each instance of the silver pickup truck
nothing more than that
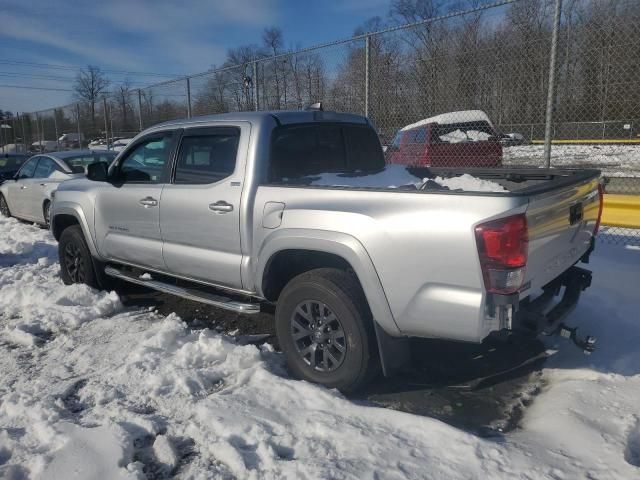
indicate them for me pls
(227, 210)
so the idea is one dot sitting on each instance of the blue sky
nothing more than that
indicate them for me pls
(151, 36)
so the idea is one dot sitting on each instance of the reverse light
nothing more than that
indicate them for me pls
(600, 207)
(503, 246)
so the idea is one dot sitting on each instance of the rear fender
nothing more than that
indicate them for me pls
(336, 243)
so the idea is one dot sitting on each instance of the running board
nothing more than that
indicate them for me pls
(190, 294)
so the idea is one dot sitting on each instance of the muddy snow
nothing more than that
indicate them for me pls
(92, 389)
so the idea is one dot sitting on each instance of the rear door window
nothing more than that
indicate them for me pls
(45, 167)
(208, 157)
(28, 168)
(301, 151)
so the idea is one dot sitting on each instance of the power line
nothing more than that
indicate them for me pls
(76, 68)
(57, 78)
(37, 88)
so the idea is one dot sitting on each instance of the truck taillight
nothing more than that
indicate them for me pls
(503, 247)
(600, 207)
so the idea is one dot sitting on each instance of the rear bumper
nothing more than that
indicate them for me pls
(533, 316)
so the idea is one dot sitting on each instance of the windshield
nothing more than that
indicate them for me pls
(13, 163)
(88, 159)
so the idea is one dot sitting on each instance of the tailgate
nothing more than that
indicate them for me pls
(561, 223)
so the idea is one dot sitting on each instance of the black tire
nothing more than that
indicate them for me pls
(327, 293)
(46, 213)
(4, 207)
(76, 264)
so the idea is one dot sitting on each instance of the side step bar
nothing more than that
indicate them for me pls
(219, 301)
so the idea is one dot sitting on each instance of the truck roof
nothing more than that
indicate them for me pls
(284, 117)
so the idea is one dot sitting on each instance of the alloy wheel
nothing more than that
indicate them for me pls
(4, 208)
(318, 336)
(74, 262)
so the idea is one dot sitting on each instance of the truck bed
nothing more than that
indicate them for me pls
(518, 181)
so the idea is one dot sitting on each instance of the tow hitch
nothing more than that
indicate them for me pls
(534, 317)
(587, 344)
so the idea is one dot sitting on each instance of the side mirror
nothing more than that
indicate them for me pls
(97, 172)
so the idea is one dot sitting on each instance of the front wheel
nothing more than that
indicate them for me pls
(4, 208)
(75, 259)
(46, 214)
(324, 328)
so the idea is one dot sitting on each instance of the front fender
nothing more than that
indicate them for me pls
(69, 208)
(336, 243)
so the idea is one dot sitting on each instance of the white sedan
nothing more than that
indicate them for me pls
(28, 195)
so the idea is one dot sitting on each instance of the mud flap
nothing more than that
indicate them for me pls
(395, 352)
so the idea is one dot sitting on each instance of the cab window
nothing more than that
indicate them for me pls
(146, 162)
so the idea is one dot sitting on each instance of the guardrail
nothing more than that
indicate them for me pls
(621, 211)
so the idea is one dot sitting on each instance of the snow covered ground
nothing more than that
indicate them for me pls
(613, 160)
(90, 389)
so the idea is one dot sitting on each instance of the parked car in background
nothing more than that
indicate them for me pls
(71, 140)
(42, 146)
(119, 144)
(99, 144)
(512, 139)
(455, 139)
(13, 148)
(10, 163)
(28, 194)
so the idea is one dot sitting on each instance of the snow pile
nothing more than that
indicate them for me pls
(469, 183)
(452, 117)
(458, 136)
(394, 176)
(130, 394)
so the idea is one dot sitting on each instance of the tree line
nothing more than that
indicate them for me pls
(496, 60)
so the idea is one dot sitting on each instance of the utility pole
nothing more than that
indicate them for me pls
(106, 129)
(140, 108)
(188, 97)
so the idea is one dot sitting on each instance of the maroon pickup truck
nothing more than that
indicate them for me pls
(456, 139)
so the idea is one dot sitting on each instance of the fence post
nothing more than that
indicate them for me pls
(256, 103)
(24, 135)
(55, 127)
(551, 88)
(78, 125)
(38, 132)
(188, 97)
(106, 128)
(367, 54)
(140, 109)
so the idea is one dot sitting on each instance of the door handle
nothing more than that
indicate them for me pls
(23, 187)
(43, 184)
(148, 202)
(221, 207)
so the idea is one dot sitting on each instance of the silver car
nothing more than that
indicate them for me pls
(28, 194)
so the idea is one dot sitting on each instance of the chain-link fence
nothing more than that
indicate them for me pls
(465, 89)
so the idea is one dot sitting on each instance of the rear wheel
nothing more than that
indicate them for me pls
(4, 208)
(75, 259)
(325, 329)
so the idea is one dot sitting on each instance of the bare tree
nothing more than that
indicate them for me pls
(90, 84)
(272, 39)
(123, 94)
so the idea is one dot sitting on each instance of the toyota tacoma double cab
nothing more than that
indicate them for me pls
(238, 211)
